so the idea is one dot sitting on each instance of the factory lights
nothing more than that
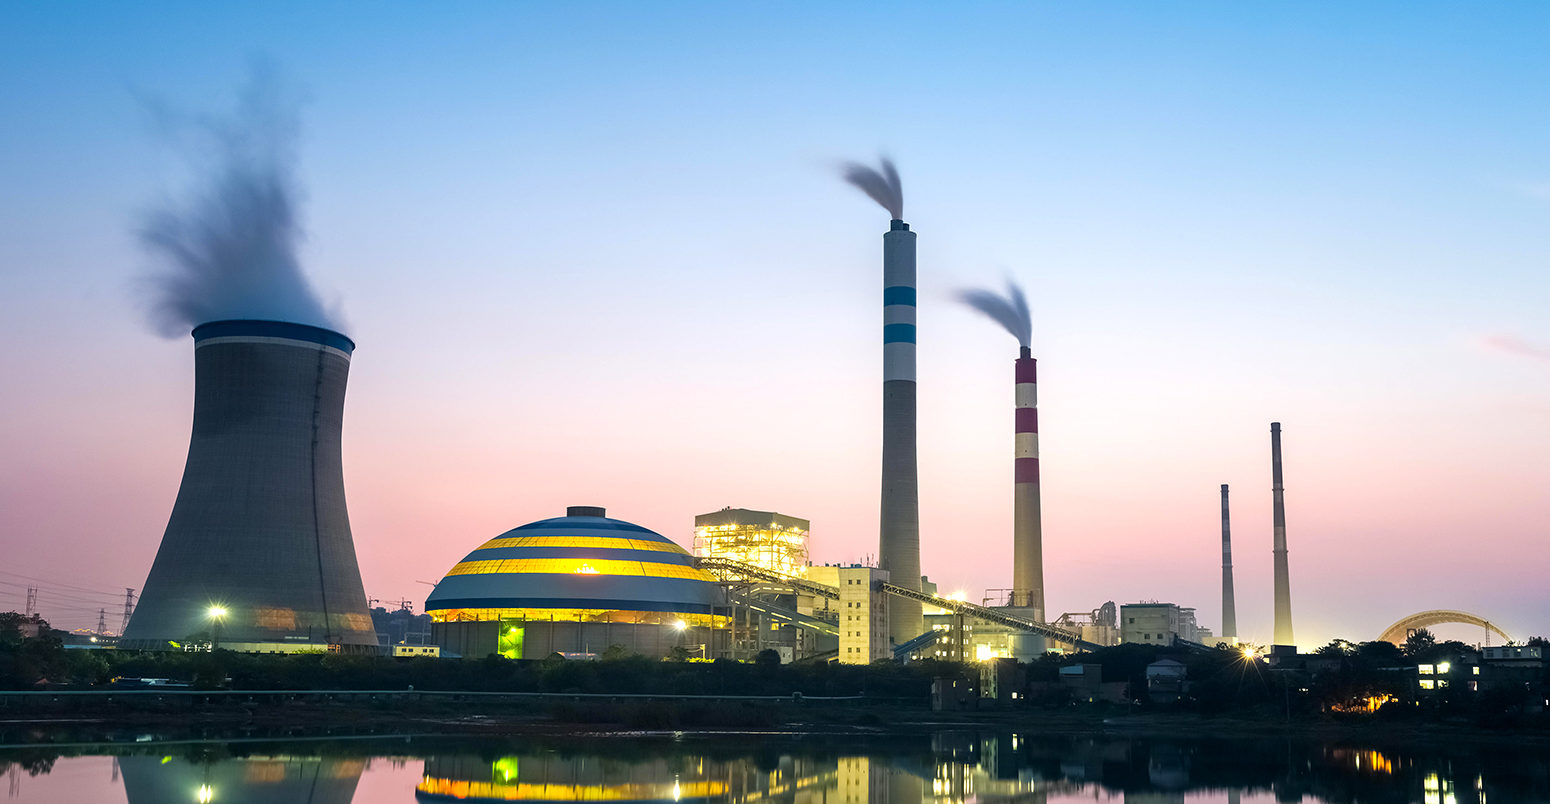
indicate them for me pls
(778, 546)
(216, 614)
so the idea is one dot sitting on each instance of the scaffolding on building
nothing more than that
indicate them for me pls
(763, 539)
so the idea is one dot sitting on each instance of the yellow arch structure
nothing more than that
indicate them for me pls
(1397, 632)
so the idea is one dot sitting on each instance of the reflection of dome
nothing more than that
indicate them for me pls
(582, 566)
(548, 778)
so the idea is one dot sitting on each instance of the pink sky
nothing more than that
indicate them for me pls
(604, 259)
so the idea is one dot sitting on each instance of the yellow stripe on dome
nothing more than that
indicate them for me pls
(579, 566)
(584, 541)
(564, 791)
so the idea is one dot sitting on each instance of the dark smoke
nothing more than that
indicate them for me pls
(229, 249)
(1010, 311)
(881, 186)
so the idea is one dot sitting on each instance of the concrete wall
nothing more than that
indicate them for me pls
(537, 639)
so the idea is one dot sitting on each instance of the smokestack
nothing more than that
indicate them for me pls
(1283, 584)
(259, 528)
(899, 537)
(1027, 527)
(1229, 606)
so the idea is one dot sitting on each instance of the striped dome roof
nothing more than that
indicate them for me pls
(583, 560)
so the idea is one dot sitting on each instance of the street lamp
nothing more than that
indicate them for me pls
(216, 614)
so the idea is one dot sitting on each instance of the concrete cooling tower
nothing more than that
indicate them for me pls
(258, 553)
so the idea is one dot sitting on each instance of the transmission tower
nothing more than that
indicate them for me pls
(32, 601)
(102, 621)
(129, 608)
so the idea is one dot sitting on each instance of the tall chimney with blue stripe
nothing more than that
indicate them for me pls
(898, 550)
(899, 542)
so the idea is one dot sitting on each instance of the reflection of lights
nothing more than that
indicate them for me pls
(585, 569)
(679, 625)
(678, 791)
(205, 794)
(1437, 790)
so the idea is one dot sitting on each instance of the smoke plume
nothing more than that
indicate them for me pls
(1010, 311)
(881, 186)
(228, 250)
(1517, 346)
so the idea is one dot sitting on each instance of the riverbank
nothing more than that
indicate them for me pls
(358, 716)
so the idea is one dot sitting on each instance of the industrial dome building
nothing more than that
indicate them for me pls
(576, 585)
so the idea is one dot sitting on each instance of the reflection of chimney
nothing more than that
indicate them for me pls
(260, 528)
(1283, 583)
(899, 532)
(1229, 607)
(1027, 529)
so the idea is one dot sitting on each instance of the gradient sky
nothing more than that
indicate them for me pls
(597, 254)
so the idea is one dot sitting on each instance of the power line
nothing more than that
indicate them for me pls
(59, 584)
(114, 598)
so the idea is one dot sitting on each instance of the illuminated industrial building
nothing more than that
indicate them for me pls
(763, 539)
(577, 585)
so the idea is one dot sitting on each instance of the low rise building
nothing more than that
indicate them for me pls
(1159, 624)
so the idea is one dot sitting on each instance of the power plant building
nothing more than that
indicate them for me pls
(1159, 624)
(863, 612)
(258, 553)
(763, 539)
(577, 585)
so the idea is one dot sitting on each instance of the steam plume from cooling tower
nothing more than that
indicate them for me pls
(881, 185)
(1010, 311)
(228, 251)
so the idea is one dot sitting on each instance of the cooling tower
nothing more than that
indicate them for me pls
(1283, 583)
(899, 538)
(1229, 606)
(259, 528)
(1027, 529)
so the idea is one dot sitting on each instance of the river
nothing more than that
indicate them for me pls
(942, 767)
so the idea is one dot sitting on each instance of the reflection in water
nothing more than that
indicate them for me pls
(551, 777)
(250, 780)
(945, 768)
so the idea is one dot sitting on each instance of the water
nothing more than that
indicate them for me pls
(944, 767)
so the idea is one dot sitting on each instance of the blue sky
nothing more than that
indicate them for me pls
(599, 251)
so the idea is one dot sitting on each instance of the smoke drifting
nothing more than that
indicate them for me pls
(1010, 311)
(229, 249)
(881, 186)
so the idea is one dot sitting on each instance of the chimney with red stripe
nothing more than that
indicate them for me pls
(1027, 531)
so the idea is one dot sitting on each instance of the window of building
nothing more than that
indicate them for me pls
(1427, 684)
(1443, 668)
(1424, 670)
(1475, 670)
(1441, 683)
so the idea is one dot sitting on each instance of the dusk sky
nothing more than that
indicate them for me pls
(600, 254)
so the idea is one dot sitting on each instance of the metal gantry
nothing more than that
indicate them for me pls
(722, 566)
